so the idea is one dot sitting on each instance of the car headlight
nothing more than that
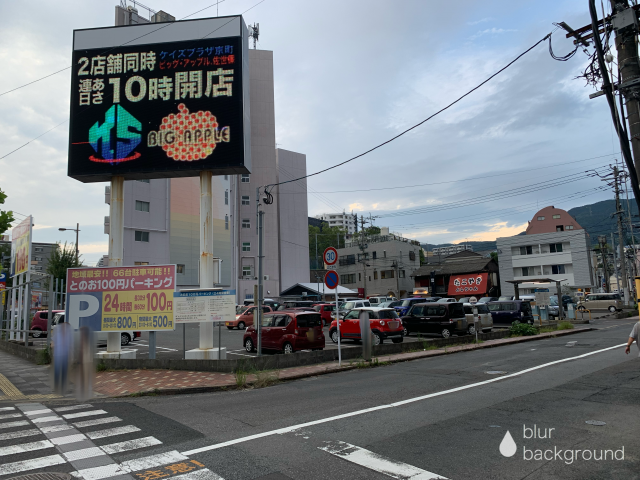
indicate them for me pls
(382, 322)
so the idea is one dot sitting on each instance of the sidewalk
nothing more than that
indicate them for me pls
(20, 379)
(120, 383)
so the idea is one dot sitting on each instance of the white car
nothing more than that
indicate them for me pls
(126, 337)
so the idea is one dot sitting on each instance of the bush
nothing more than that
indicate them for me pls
(522, 329)
(43, 357)
(565, 326)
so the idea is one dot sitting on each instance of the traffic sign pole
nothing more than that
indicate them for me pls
(332, 281)
(338, 324)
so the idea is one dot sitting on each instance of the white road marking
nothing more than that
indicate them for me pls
(72, 407)
(83, 453)
(98, 473)
(14, 424)
(78, 437)
(32, 464)
(23, 433)
(25, 447)
(396, 404)
(97, 421)
(110, 432)
(56, 428)
(90, 413)
(6, 409)
(204, 474)
(378, 463)
(130, 445)
(38, 412)
(11, 415)
(46, 419)
(241, 354)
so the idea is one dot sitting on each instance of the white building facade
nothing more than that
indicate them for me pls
(348, 221)
(450, 250)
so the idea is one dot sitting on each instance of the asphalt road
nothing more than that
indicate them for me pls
(443, 417)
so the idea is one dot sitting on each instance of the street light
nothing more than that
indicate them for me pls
(77, 230)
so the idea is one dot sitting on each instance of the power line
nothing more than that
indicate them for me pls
(417, 124)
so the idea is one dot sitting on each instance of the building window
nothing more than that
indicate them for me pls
(540, 218)
(245, 178)
(37, 268)
(349, 278)
(142, 206)
(557, 269)
(36, 284)
(384, 253)
(141, 263)
(401, 274)
(180, 268)
(38, 259)
(246, 246)
(226, 197)
(412, 256)
(38, 249)
(246, 270)
(246, 223)
(374, 255)
(144, 180)
(226, 222)
(141, 236)
(555, 248)
(569, 227)
(387, 274)
(556, 216)
(347, 260)
(245, 200)
(559, 228)
(525, 271)
(526, 250)
(363, 256)
(375, 274)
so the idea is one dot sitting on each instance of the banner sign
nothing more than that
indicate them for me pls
(113, 299)
(159, 108)
(21, 247)
(471, 283)
(204, 306)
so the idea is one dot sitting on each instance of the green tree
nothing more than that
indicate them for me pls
(494, 256)
(327, 237)
(6, 218)
(422, 259)
(61, 259)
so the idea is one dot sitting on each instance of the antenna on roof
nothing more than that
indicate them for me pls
(254, 32)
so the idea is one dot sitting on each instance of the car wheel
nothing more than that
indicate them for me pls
(124, 339)
(287, 348)
(377, 339)
(37, 333)
(334, 336)
(445, 332)
(241, 326)
(405, 331)
(612, 309)
(471, 330)
(397, 340)
(581, 308)
(248, 345)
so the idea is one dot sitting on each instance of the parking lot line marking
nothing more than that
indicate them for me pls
(72, 407)
(97, 421)
(25, 447)
(31, 464)
(110, 432)
(391, 405)
(378, 463)
(90, 413)
(130, 445)
(14, 424)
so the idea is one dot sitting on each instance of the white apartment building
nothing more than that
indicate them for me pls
(450, 250)
(348, 221)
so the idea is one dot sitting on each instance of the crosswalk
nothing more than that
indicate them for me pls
(63, 440)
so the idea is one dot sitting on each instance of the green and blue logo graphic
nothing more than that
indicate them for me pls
(117, 137)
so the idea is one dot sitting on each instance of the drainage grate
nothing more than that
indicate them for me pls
(44, 476)
(495, 372)
(597, 423)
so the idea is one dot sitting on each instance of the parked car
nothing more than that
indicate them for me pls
(609, 301)
(384, 323)
(245, 317)
(484, 317)
(294, 303)
(39, 322)
(326, 312)
(444, 319)
(350, 305)
(126, 337)
(447, 300)
(287, 331)
(464, 300)
(507, 312)
(376, 301)
(407, 303)
(488, 299)
(392, 304)
(265, 301)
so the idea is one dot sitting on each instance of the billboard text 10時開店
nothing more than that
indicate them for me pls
(172, 106)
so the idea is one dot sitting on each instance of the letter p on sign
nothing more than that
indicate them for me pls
(91, 306)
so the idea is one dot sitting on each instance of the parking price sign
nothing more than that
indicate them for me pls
(121, 298)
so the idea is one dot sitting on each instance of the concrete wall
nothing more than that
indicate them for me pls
(293, 219)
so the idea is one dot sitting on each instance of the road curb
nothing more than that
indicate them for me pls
(332, 368)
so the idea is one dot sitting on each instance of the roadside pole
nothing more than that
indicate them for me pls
(207, 261)
(116, 244)
(332, 281)
(473, 301)
(260, 278)
(50, 313)
(615, 261)
(623, 257)
(338, 324)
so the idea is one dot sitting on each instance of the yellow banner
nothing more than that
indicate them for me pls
(137, 310)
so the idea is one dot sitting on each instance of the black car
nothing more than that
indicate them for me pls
(506, 312)
(444, 319)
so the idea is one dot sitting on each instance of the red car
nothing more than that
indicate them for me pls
(287, 331)
(244, 317)
(39, 322)
(384, 323)
(326, 310)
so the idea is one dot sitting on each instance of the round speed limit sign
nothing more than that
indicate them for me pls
(330, 256)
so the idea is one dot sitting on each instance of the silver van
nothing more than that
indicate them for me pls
(484, 318)
(609, 301)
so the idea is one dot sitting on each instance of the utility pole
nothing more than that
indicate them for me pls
(602, 240)
(623, 257)
(615, 261)
(363, 246)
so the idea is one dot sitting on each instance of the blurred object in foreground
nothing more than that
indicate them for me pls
(62, 345)
(83, 363)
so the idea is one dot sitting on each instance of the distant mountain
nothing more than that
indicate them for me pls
(597, 218)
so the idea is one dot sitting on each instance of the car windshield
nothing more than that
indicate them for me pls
(408, 302)
(387, 314)
(347, 305)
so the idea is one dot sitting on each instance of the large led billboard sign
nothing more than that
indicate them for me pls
(160, 100)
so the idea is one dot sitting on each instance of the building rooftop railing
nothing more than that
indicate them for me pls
(380, 238)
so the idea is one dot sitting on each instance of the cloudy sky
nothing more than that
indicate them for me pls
(349, 75)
